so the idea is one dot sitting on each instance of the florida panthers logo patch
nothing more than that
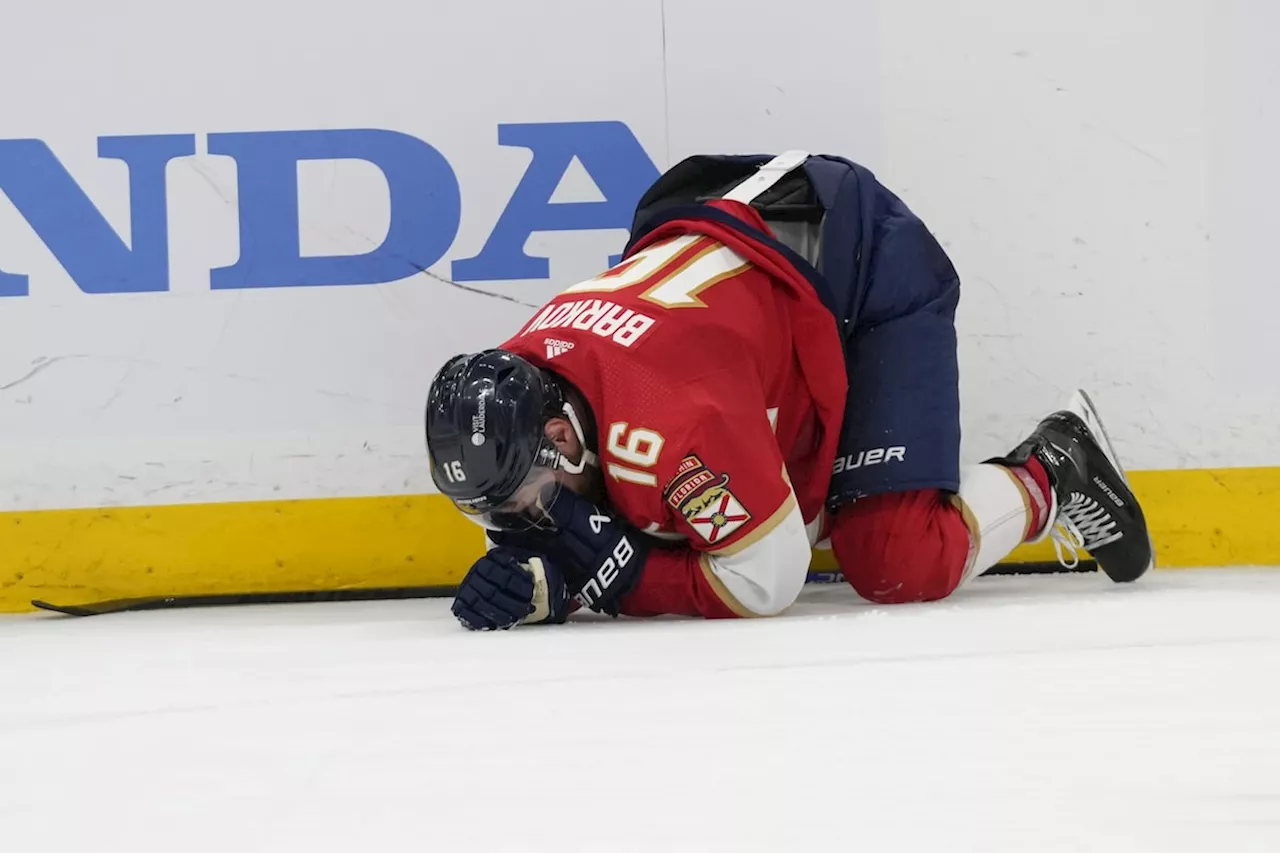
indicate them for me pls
(704, 499)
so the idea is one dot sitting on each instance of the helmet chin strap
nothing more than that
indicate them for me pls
(588, 458)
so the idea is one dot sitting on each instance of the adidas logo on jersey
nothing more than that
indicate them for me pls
(557, 347)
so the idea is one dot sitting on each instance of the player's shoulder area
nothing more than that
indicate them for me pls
(597, 333)
(621, 379)
(571, 319)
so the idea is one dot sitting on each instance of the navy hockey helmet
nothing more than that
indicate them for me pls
(489, 453)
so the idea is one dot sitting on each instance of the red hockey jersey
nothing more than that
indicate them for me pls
(716, 380)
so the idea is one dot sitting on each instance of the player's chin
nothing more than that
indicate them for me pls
(589, 484)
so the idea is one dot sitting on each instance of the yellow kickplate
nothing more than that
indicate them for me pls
(1198, 517)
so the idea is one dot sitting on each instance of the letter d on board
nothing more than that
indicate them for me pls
(426, 207)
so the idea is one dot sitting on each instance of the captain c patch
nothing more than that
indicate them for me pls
(705, 501)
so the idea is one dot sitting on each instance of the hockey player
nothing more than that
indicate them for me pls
(773, 363)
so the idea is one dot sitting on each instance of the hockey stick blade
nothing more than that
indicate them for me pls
(175, 602)
(1084, 566)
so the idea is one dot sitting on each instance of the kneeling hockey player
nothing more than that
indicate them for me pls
(771, 366)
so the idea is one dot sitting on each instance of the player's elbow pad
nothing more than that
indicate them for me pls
(765, 577)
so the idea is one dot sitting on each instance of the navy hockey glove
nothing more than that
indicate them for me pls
(510, 586)
(602, 554)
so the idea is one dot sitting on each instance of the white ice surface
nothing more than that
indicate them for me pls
(1026, 714)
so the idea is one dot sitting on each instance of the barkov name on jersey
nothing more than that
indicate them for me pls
(610, 320)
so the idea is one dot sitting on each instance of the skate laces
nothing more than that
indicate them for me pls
(1066, 538)
(1083, 524)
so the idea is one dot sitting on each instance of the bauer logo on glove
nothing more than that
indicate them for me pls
(608, 572)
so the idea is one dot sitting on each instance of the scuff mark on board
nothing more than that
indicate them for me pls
(41, 365)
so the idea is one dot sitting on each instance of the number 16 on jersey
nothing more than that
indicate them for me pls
(638, 448)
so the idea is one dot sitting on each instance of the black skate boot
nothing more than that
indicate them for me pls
(1093, 508)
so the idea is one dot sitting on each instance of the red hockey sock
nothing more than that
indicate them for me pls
(1035, 480)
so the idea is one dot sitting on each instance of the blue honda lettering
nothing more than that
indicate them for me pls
(73, 228)
(426, 207)
(611, 155)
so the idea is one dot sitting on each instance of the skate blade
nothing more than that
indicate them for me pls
(1081, 404)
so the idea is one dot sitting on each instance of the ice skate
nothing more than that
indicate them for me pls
(1093, 509)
